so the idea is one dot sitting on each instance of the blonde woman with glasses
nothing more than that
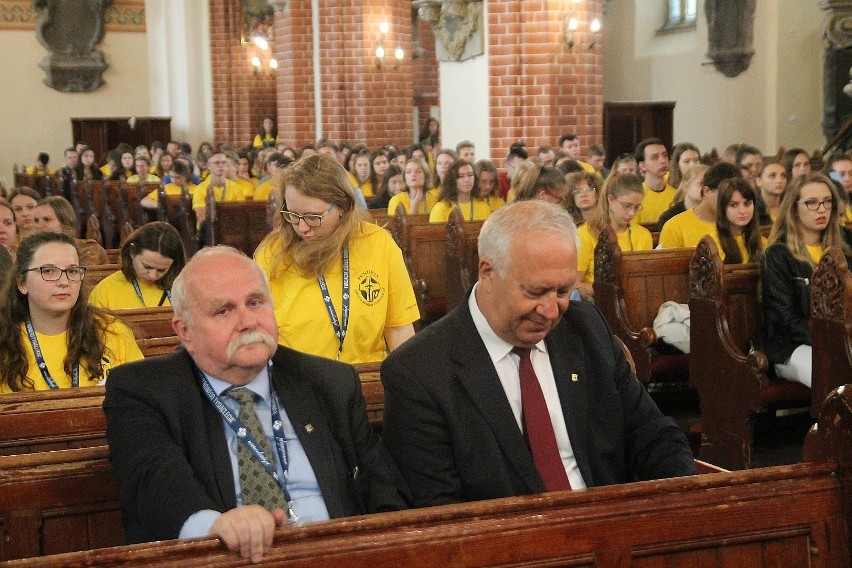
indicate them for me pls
(339, 283)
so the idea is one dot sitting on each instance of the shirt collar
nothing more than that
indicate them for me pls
(259, 385)
(497, 347)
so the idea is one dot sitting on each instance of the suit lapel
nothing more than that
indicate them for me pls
(571, 373)
(311, 425)
(479, 379)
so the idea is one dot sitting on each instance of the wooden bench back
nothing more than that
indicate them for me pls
(461, 258)
(831, 326)
(630, 287)
(148, 322)
(240, 224)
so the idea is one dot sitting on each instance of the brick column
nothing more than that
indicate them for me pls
(539, 88)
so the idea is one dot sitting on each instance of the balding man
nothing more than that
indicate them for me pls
(518, 390)
(236, 435)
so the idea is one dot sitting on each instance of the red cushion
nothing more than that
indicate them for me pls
(670, 368)
(785, 393)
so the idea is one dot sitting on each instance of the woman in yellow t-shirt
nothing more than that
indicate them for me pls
(51, 338)
(737, 229)
(620, 201)
(338, 281)
(268, 135)
(417, 179)
(151, 258)
(457, 193)
(487, 180)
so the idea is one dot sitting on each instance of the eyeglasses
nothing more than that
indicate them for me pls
(814, 205)
(629, 207)
(583, 190)
(311, 219)
(50, 273)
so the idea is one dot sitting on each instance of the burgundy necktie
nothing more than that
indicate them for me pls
(538, 429)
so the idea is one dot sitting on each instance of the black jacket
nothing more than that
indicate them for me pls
(786, 302)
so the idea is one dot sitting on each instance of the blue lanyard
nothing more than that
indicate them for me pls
(42, 366)
(166, 293)
(339, 327)
(244, 436)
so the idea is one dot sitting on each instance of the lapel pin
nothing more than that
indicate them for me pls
(309, 428)
(574, 378)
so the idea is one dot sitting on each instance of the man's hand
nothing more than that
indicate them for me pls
(248, 530)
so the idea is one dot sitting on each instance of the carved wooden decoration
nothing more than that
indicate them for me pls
(457, 25)
(832, 279)
(70, 31)
(705, 271)
(730, 34)
(606, 252)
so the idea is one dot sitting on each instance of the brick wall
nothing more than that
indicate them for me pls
(426, 82)
(539, 88)
(241, 98)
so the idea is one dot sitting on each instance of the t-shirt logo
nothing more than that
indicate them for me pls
(370, 290)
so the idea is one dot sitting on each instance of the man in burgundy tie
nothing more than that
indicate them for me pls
(518, 390)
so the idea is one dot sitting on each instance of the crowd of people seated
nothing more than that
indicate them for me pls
(327, 282)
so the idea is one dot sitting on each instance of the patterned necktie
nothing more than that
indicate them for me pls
(538, 429)
(257, 485)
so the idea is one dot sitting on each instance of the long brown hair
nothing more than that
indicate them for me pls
(86, 324)
(751, 232)
(786, 227)
(321, 177)
(158, 237)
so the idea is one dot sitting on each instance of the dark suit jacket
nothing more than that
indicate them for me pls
(170, 456)
(451, 430)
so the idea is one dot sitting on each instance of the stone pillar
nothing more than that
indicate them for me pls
(837, 68)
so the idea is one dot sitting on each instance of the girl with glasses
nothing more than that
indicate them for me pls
(151, 258)
(49, 336)
(807, 224)
(584, 190)
(621, 201)
(339, 283)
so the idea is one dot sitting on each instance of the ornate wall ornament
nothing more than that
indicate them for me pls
(832, 279)
(730, 34)
(705, 272)
(457, 25)
(838, 22)
(70, 32)
(606, 252)
(122, 16)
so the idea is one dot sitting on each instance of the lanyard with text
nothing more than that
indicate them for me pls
(166, 293)
(42, 366)
(244, 436)
(339, 325)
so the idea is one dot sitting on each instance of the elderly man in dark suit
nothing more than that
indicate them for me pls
(236, 435)
(518, 390)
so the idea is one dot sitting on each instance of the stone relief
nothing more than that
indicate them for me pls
(457, 25)
(730, 34)
(71, 32)
(838, 22)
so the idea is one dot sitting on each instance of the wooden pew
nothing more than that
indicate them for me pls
(96, 273)
(831, 326)
(730, 376)
(148, 322)
(177, 211)
(461, 259)
(152, 346)
(629, 288)
(796, 515)
(240, 224)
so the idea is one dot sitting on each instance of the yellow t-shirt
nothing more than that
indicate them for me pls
(263, 190)
(172, 189)
(381, 297)
(245, 186)
(265, 140)
(31, 171)
(151, 179)
(441, 211)
(231, 192)
(120, 346)
(367, 188)
(404, 198)
(847, 216)
(495, 202)
(433, 196)
(115, 292)
(685, 230)
(815, 252)
(636, 237)
(587, 167)
(741, 244)
(655, 203)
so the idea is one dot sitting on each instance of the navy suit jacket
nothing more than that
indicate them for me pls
(451, 430)
(170, 456)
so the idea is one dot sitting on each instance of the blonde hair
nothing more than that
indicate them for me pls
(321, 177)
(688, 178)
(615, 185)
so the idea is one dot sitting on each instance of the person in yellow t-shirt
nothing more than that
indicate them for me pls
(457, 193)
(620, 202)
(361, 172)
(151, 258)
(653, 161)
(532, 180)
(224, 189)
(413, 198)
(143, 171)
(268, 135)
(487, 181)
(53, 338)
(275, 162)
(338, 281)
(737, 232)
(179, 176)
(807, 224)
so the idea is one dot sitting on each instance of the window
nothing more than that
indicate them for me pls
(681, 15)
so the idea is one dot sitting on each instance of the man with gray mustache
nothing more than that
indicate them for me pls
(234, 435)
